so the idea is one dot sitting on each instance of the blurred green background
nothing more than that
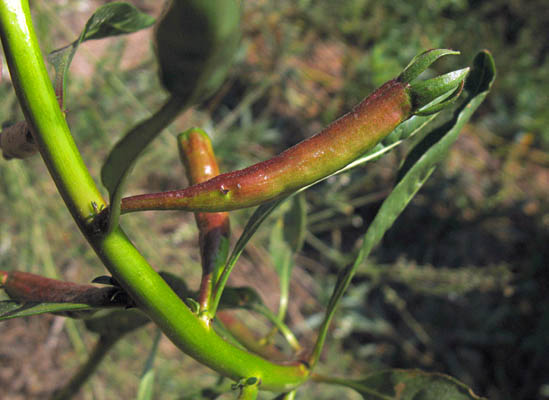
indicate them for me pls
(459, 284)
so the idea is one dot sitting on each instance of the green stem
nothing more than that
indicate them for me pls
(41, 109)
(192, 335)
(249, 388)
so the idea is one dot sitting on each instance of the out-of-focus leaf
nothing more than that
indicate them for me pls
(241, 297)
(295, 223)
(196, 41)
(286, 239)
(247, 298)
(176, 283)
(117, 323)
(418, 166)
(441, 281)
(112, 19)
(146, 384)
(398, 384)
(286, 396)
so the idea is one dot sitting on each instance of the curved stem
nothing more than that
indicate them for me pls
(192, 335)
(37, 98)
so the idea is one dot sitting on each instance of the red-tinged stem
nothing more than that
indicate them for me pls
(301, 165)
(198, 157)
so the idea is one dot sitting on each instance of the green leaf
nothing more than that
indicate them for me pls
(260, 214)
(13, 309)
(112, 19)
(448, 86)
(397, 384)
(146, 384)
(418, 166)
(196, 41)
(421, 62)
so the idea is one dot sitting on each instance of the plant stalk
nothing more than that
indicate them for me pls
(122, 259)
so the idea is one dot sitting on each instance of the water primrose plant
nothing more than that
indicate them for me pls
(195, 41)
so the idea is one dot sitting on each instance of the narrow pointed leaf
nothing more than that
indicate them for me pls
(260, 214)
(421, 62)
(418, 166)
(440, 103)
(13, 309)
(424, 92)
(400, 384)
(146, 386)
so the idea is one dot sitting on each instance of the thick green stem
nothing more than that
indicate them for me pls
(41, 109)
(152, 294)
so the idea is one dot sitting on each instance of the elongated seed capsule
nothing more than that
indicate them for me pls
(25, 287)
(303, 164)
(323, 154)
(197, 155)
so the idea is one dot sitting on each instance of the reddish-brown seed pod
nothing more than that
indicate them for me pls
(303, 164)
(198, 157)
(30, 288)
